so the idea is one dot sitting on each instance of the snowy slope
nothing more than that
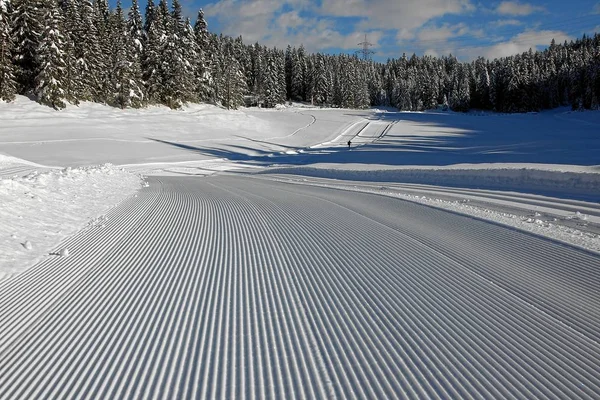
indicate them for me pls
(233, 287)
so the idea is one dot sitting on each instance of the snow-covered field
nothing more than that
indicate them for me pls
(553, 153)
(206, 253)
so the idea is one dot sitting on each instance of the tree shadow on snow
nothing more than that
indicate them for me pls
(435, 139)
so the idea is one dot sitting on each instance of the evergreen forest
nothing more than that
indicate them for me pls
(68, 51)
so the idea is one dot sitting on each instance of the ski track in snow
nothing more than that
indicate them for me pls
(233, 287)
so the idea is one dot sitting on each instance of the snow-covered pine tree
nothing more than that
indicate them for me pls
(256, 76)
(481, 99)
(298, 74)
(125, 90)
(171, 57)
(182, 53)
(193, 63)
(280, 56)
(117, 93)
(309, 78)
(319, 93)
(135, 46)
(271, 91)
(49, 85)
(27, 29)
(234, 81)
(152, 61)
(218, 65)
(90, 61)
(8, 85)
(149, 16)
(101, 18)
(460, 97)
(72, 77)
(288, 72)
(203, 69)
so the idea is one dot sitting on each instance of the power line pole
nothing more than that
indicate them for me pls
(365, 51)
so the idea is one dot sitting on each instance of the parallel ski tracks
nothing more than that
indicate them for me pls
(241, 288)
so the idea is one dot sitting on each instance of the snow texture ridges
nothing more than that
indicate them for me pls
(239, 288)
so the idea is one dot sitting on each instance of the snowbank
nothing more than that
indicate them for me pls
(567, 181)
(41, 209)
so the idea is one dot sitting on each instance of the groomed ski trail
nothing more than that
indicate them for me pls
(233, 287)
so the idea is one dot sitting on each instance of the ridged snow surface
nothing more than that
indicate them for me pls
(233, 287)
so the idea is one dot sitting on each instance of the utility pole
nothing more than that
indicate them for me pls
(365, 52)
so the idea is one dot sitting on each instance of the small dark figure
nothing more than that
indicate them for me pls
(349, 143)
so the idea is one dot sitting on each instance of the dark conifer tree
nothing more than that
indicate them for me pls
(27, 29)
(8, 85)
(49, 85)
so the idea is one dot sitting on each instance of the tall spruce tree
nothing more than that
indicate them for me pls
(90, 61)
(49, 85)
(203, 69)
(135, 48)
(72, 77)
(27, 29)
(8, 85)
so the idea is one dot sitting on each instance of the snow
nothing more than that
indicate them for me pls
(550, 224)
(41, 209)
(63, 170)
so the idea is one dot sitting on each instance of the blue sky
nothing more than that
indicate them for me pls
(465, 28)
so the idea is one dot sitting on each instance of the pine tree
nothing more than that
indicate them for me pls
(298, 75)
(27, 29)
(320, 81)
(288, 71)
(151, 62)
(101, 20)
(234, 81)
(191, 63)
(125, 73)
(49, 86)
(72, 78)
(135, 47)
(149, 16)
(8, 86)
(172, 61)
(90, 61)
(271, 91)
(203, 68)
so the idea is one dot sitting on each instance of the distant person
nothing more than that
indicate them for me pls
(349, 143)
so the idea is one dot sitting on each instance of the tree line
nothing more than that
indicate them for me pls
(67, 51)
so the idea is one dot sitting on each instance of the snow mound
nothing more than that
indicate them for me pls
(41, 209)
(533, 179)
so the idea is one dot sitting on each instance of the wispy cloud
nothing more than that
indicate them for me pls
(506, 22)
(518, 9)
(330, 24)
(518, 44)
(596, 9)
(465, 28)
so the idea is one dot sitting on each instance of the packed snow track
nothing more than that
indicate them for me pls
(238, 287)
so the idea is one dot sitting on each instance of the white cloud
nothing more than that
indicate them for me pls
(518, 9)
(506, 22)
(596, 9)
(406, 16)
(445, 32)
(290, 20)
(518, 44)
(282, 22)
